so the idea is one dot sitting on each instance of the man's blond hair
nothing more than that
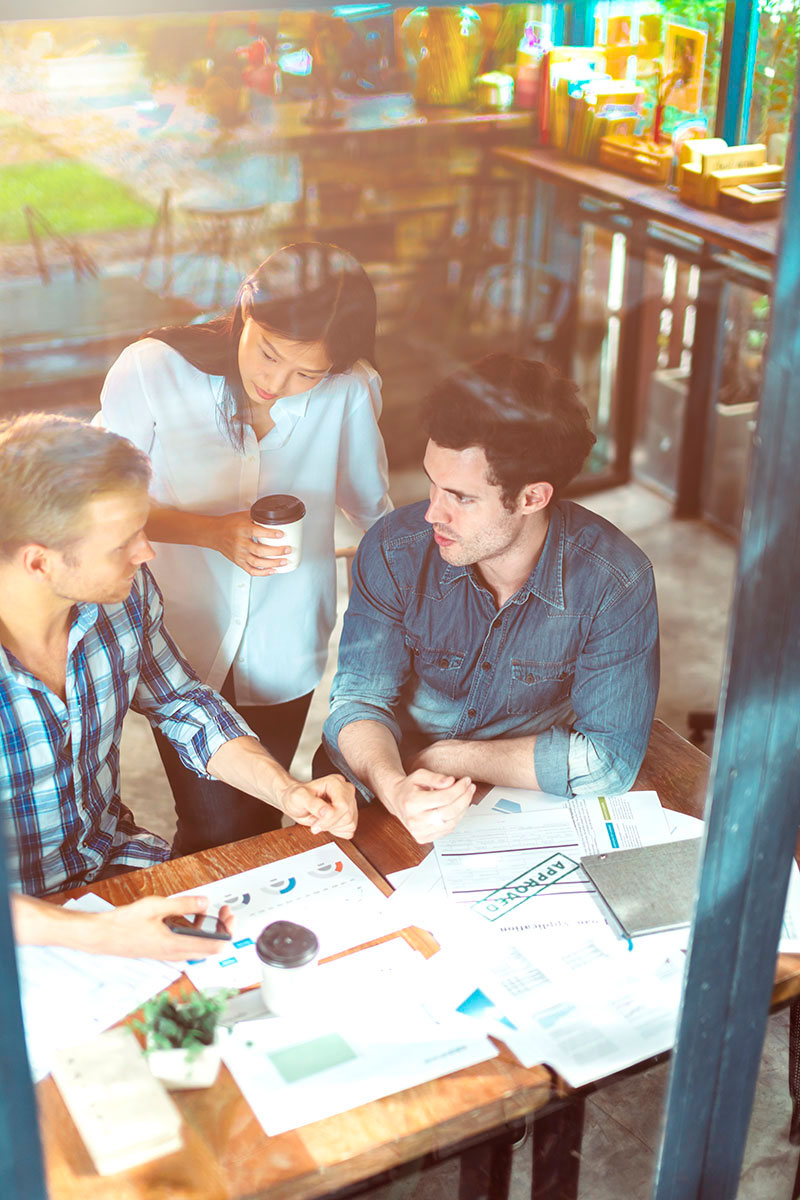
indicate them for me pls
(50, 468)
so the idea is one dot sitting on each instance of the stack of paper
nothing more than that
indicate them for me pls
(121, 1111)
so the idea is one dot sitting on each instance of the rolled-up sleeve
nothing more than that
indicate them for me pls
(374, 661)
(191, 715)
(613, 698)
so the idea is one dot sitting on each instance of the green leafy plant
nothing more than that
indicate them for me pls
(184, 1022)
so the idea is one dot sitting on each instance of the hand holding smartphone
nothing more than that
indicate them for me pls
(198, 925)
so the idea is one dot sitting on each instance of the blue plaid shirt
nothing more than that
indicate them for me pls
(59, 769)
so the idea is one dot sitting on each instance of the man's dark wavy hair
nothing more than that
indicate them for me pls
(524, 415)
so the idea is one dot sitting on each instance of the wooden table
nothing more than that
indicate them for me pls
(227, 1156)
(226, 1153)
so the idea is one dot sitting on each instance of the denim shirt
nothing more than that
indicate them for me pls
(571, 657)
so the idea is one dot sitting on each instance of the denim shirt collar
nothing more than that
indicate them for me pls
(546, 580)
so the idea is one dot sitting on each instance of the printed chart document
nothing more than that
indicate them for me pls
(590, 1009)
(93, 992)
(512, 801)
(295, 1070)
(321, 888)
(582, 1003)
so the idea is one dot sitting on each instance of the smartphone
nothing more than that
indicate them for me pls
(198, 926)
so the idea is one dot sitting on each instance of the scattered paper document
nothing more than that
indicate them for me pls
(93, 992)
(618, 822)
(320, 888)
(590, 1009)
(522, 873)
(510, 802)
(294, 1070)
(682, 826)
(582, 1003)
(423, 880)
(790, 930)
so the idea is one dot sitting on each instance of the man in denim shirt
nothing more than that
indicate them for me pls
(497, 632)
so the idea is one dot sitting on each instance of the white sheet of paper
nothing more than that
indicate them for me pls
(682, 826)
(485, 853)
(423, 880)
(790, 930)
(583, 1003)
(293, 1071)
(585, 1030)
(320, 888)
(93, 992)
(618, 822)
(510, 802)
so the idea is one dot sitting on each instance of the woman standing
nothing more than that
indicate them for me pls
(279, 396)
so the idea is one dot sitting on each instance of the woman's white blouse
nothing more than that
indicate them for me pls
(325, 448)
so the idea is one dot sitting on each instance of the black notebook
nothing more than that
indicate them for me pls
(648, 889)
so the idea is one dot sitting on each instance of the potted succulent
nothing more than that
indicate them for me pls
(181, 1037)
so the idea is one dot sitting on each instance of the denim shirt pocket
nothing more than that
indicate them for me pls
(439, 669)
(536, 686)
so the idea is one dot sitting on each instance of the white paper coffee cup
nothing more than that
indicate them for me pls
(286, 513)
(288, 954)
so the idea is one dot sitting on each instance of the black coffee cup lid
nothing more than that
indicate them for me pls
(284, 944)
(270, 510)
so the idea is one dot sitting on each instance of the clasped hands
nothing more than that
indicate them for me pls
(325, 805)
(428, 800)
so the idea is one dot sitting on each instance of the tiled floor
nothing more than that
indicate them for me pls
(694, 573)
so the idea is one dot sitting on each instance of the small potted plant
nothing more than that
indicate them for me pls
(181, 1037)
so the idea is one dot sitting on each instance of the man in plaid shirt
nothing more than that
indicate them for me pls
(81, 642)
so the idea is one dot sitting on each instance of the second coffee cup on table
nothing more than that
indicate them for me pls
(286, 513)
(288, 954)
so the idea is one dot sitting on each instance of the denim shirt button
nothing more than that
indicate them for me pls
(443, 662)
(486, 666)
(472, 712)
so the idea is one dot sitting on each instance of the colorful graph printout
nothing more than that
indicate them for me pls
(320, 888)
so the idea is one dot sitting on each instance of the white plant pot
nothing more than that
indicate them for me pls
(179, 1072)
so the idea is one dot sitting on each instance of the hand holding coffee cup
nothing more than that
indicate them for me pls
(282, 518)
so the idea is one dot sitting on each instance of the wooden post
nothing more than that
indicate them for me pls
(753, 817)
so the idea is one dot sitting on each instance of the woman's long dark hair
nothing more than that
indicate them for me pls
(308, 292)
